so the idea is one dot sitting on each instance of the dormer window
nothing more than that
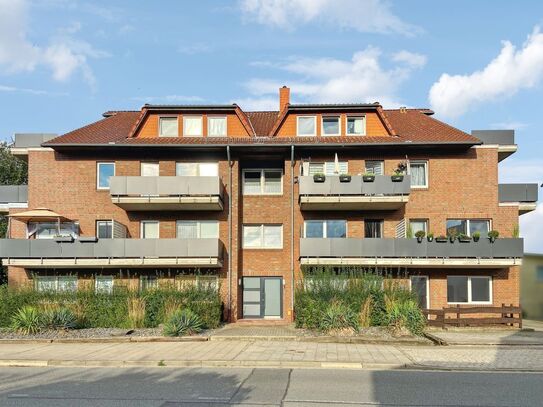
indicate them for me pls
(216, 126)
(331, 126)
(356, 125)
(192, 126)
(306, 126)
(167, 127)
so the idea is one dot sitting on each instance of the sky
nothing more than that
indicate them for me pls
(478, 65)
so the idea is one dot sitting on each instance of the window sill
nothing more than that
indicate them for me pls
(262, 248)
(470, 303)
(420, 188)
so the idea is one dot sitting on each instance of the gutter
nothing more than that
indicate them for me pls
(229, 232)
(292, 230)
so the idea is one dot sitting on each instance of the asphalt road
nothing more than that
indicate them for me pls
(169, 387)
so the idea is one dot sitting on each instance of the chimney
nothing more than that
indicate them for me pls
(284, 98)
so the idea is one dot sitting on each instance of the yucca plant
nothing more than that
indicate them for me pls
(60, 318)
(338, 316)
(182, 323)
(26, 321)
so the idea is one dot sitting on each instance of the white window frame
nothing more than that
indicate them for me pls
(198, 227)
(55, 279)
(314, 126)
(427, 288)
(426, 173)
(262, 226)
(98, 164)
(422, 220)
(329, 117)
(104, 221)
(191, 116)
(262, 180)
(160, 127)
(468, 233)
(197, 164)
(363, 117)
(142, 222)
(324, 228)
(382, 162)
(209, 118)
(490, 288)
(326, 164)
(96, 278)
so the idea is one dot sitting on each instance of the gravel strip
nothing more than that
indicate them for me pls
(82, 333)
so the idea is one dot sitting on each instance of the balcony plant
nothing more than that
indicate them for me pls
(476, 236)
(452, 234)
(368, 177)
(493, 235)
(319, 177)
(463, 238)
(399, 172)
(430, 237)
(441, 239)
(344, 177)
(420, 235)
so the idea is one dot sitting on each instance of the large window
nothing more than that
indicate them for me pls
(149, 229)
(328, 168)
(325, 228)
(149, 169)
(419, 174)
(263, 236)
(50, 230)
(376, 167)
(373, 228)
(196, 229)
(104, 229)
(103, 284)
(197, 169)
(56, 283)
(262, 182)
(306, 126)
(192, 126)
(104, 171)
(356, 125)
(469, 289)
(168, 127)
(468, 226)
(418, 225)
(216, 126)
(331, 126)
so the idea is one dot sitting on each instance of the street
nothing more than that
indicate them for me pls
(170, 387)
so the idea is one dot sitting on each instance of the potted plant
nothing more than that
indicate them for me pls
(476, 236)
(441, 239)
(493, 235)
(463, 238)
(452, 235)
(399, 172)
(430, 237)
(319, 177)
(420, 235)
(368, 177)
(344, 177)
(64, 238)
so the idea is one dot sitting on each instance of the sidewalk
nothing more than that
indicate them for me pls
(288, 354)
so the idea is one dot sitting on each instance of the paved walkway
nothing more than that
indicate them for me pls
(272, 354)
(490, 337)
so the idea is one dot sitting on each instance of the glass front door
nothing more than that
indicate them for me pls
(262, 297)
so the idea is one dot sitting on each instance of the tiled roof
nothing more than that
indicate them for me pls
(408, 125)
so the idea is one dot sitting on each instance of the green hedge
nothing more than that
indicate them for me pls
(98, 310)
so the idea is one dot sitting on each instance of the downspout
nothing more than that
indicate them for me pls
(229, 232)
(292, 229)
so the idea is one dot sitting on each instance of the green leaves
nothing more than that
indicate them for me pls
(183, 323)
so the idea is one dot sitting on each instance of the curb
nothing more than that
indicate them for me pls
(322, 339)
(135, 339)
(417, 366)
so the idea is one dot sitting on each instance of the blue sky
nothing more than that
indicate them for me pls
(479, 65)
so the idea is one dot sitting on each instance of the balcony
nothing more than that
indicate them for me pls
(13, 196)
(504, 139)
(523, 195)
(92, 252)
(27, 141)
(410, 253)
(167, 193)
(381, 194)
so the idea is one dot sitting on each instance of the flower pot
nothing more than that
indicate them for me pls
(492, 239)
(452, 239)
(430, 238)
(396, 178)
(464, 240)
(368, 178)
(441, 239)
(419, 239)
(319, 178)
(344, 178)
(476, 238)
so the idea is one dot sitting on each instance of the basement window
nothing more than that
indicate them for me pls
(56, 283)
(103, 284)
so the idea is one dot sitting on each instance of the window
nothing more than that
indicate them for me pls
(197, 169)
(325, 228)
(419, 174)
(356, 126)
(49, 230)
(104, 229)
(262, 182)
(468, 226)
(149, 229)
(373, 228)
(104, 171)
(192, 126)
(306, 126)
(331, 126)
(263, 236)
(328, 168)
(418, 224)
(148, 283)
(216, 126)
(469, 289)
(539, 274)
(193, 229)
(168, 127)
(375, 167)
(103, 284)
(56, 283)
(149, 169)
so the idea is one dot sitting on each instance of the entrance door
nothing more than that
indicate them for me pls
(419, 285)
(262, 297)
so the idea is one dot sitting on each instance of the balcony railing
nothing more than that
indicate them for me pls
(504, 139)
(13, 196)
(332, 194)
(525, 195)
(411, 253)
(92, 252)
(167, 193)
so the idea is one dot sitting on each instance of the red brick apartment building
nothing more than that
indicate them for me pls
(252, 199)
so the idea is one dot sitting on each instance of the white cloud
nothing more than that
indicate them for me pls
(63, 55)
(360, 15)
(329, 80)
(512, 70)
(169, 99)
(13, 89)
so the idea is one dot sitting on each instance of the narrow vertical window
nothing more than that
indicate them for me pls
(216, 126)
(356, 126)
(168, 127)
(192, 126)
(104, 171)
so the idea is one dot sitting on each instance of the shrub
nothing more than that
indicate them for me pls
(182, 323)
(338, 316)
(404, 314)
(26, 321)
(136, 312)
(60, 318)
(364, 318)
(420, 234)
